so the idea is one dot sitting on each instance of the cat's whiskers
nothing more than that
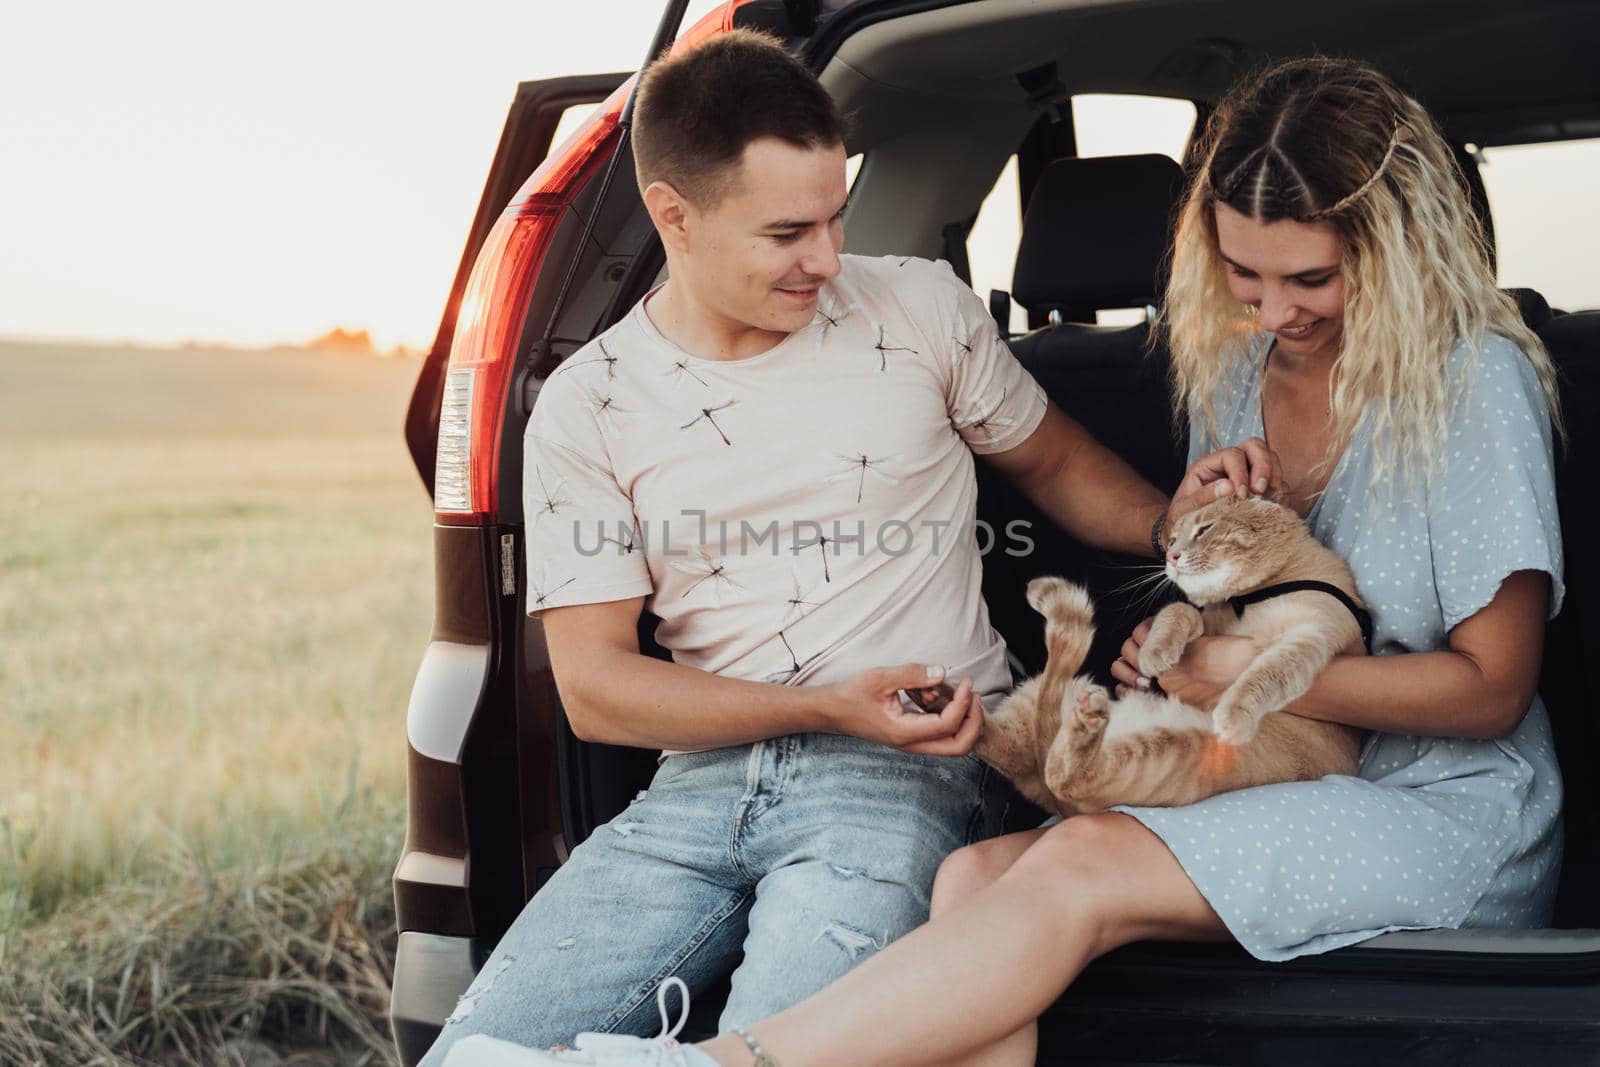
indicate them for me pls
(1147, 584)
(1152, 572)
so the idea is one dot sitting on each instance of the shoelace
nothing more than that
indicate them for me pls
(669, 1032)
(662, 1050)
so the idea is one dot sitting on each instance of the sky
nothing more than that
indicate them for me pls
(263, 173)
(182, 171)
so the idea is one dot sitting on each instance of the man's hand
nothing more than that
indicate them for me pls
(868, 706)
(1126, 669)
(1249, 468)
(1209, 665)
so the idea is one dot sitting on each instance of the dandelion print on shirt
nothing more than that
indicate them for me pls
(822, 542)
(831, 317)
(791, 672)
(884, 350)
(627, 542)
(539, 592)
(550, 501)
(605, 405)
(858, 466)
(963, 348)
(681, 371)
(605, 359)
(709, 416)
(794, 610)
(794, 607)
(990, 421)
(709, 573)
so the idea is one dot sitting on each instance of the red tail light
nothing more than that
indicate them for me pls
(494, 304)
(718, 20)
(489, 325)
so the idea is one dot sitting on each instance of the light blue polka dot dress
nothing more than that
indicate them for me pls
(1434, 832)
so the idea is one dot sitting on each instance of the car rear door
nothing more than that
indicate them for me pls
(535, 114)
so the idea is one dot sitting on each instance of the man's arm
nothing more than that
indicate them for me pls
(615, 694)
(1084, 487)
(1090, 492)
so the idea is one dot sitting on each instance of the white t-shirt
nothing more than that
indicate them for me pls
(800, 515)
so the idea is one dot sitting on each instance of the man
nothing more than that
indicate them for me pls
(772, 452)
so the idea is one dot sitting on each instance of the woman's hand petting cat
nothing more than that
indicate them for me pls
(868, 706)
(1249, 468)
(1209, 665)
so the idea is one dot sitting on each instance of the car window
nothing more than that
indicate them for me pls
(1546, 223)
(852, 170)
(570, 120)
(1125, 125)
(1105, 125)
(992, 244)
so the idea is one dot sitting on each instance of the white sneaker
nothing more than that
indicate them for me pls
(594, 1050)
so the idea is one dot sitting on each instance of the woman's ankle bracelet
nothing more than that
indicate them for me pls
(763, 1058)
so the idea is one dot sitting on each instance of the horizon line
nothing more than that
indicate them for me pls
(400, 349)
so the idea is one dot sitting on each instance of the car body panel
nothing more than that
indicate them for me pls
(530, 125)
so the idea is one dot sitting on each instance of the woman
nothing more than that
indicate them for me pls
(1331, 293)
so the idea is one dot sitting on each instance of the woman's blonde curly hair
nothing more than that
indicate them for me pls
(1333, 140)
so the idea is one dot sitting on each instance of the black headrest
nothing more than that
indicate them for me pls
(1573, 339)
(1096, 233)
(1534, 307)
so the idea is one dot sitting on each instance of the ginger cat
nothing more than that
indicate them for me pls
(1070, 748)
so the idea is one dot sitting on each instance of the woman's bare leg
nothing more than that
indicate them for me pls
(1083, 888)
(964, 873)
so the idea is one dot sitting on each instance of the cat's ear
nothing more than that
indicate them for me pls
(1261, 503)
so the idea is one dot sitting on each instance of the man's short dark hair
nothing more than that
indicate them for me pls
(696, 112)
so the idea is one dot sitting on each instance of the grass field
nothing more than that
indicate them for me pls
(215, 585)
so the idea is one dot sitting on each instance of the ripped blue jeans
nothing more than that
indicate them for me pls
(785, 862)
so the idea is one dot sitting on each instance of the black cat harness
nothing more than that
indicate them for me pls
(1363, 616)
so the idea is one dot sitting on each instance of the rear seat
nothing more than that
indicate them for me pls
(1572, 641)
(1094, 238)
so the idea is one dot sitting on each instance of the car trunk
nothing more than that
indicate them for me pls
(922, 76)
(1435, 995)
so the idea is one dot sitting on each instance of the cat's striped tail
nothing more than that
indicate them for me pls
(1068, 632)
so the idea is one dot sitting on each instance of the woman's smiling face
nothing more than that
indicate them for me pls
(1290, 272)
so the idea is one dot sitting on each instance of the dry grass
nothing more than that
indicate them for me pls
(282, 960)
(215, 583)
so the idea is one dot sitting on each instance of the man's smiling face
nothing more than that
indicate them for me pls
(759, 254)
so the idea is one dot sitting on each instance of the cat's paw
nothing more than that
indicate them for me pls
(1042, 590)
(1174, 627)
(1234, 725)
(1093, 707)
(1055, 598)
(1158, 657)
